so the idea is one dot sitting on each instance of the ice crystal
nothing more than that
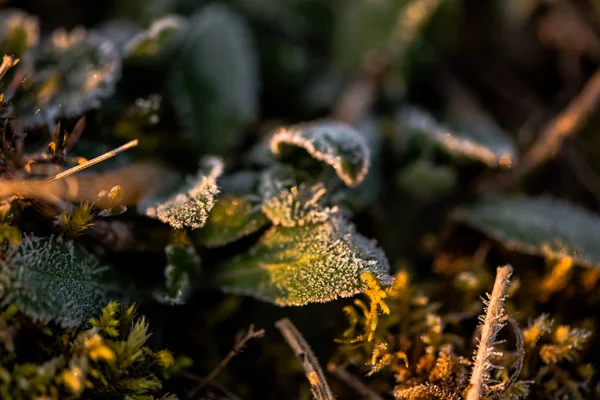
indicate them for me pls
(334, 143)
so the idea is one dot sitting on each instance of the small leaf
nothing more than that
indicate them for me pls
(73, 72)
(19, 32)
(490, 147)
(214, 78)
(543, 226)
(298, 206)
(334, 143)
(156, 40)
(52, 279)
(190, 206)
(232, 218)
(183, 265)
(305, 264)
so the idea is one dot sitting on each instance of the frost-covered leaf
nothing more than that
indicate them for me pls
(119, 32)
(214, 79)
(491, 147)
(334, 143)
(72, 73)
(52, 279)
(19, 32)
(543, 226)
(183, 265)
(189, 207)
(232, 218)
(305, 264)
(156, 40)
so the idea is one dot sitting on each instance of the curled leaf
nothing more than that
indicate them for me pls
(543, 226)
(305, 264)
(190, 206)
(490, 147)
(73, 72)
(52, 279)
(334, 143)
(156, 39)
(232, 218)
(183, 265)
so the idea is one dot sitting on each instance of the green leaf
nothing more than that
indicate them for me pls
(214, 79)
(334, 143)
(491, 147)
(74, 71)
(425, 180)
(305, 264)
(52, 279)
(156, 40)
(232, 218)
(298, 206)
(543, 226)
(183, 265)
(19, 32)
(189, 207)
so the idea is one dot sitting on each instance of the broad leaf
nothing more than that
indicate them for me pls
(183, 266)
(232, 218)
(305, 264)
(544, 226)
(491, 147)
(334, 143)
(214, 78)
(19, 32)
(189, 207)
(73, 72)
(52, 279)
(156, 40)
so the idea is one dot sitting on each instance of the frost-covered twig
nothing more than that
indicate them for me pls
(314, 373)
(492, 323)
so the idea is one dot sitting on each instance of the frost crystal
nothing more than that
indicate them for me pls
(52, 279)
(305, 264)
(334, 143)
(298, 206)
(490, 147)
(154, 40)
(190, 207)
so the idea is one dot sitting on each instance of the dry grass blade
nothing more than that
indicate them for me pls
(94, 161)
(319, 387)
(567, 123)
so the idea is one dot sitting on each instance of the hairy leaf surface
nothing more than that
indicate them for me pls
(305, 264)
(52, 279)
(545, 226)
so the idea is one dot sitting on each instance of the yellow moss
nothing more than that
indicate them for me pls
(73, 379)
(558, 277)
(165, 358)
(96, 348)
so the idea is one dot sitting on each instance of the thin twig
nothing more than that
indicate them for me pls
(354, 383)
(314, 373)
(94, 161)
(489, 330)
(237, 348)
(567, 123)
(216, 385)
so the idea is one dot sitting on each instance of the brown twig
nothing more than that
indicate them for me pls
(319, 387)
(567, 123)
(353, 382)
(237, 348)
